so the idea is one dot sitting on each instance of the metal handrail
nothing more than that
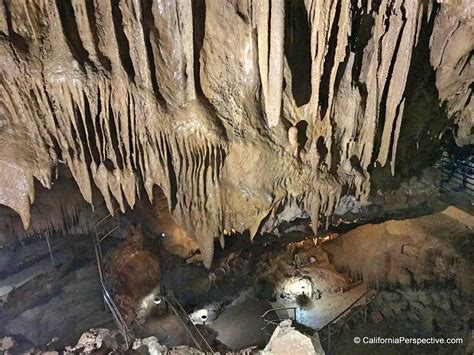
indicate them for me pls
(104, 218)
(344, 312)
(456, 171)
(170, 299)
(275, 323)
(457, 161)
(109, 233)
(179, 311)
(340, 315)
(108, 300)
(280, 309)
(124, 330)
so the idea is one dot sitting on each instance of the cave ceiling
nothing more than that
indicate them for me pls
(235, 109)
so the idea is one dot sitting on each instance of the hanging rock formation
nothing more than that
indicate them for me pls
(198, 97)
(452, 46)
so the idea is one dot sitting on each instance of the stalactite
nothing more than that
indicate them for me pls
(401, 65)
(263, 18)
(270, 55)
(321, 15)
(185, 20)
(275, 66)
(131, 94)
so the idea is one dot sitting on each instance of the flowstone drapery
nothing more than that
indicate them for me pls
(197, 97)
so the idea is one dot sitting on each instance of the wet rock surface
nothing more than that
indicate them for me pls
(133, 95)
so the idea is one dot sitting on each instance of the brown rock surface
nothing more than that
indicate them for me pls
(451, 55)
(197, 98)
(409, 253)
(134, 273)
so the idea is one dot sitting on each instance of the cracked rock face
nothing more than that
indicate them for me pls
(235, 109)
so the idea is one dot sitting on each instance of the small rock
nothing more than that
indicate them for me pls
(376, 317)
(6, 343)
(92, 340)
(287, 340)
(149, 346)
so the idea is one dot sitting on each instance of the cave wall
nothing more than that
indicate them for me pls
(208, 100)
(452, 48)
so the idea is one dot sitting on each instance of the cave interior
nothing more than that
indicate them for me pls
(239, 176)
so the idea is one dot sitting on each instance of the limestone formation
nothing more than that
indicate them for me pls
(452, 46)
(196, 97)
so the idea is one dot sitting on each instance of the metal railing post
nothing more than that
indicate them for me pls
(189, 326)
(108, 301)
(329, 337)
(50, 251)
(365, 311)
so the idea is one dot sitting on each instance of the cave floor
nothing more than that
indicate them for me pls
(317, 313)
(240, 326)
(76, 297)
(39, 302)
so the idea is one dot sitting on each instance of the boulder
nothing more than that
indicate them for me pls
(6, 343)
(287, 340)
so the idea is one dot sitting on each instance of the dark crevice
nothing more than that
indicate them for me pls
(104, 61)
(298, 50)
(423, 118)
(150, 32)
(383, 104)
(356, 165)
(464, 61)
(471, 87)
(172, 179)
(19, 41)
(302, 127)
(322, 149)
(82, 135)
(199, 22)
(130, 133)
(362, 25)
(329, 63)
(336, 152)
(71, 32)
(122, 41)
(113, 131)
(99, 128)
(90, 130)
(76, 147)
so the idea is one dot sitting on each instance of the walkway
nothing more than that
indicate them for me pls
(319, 312)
